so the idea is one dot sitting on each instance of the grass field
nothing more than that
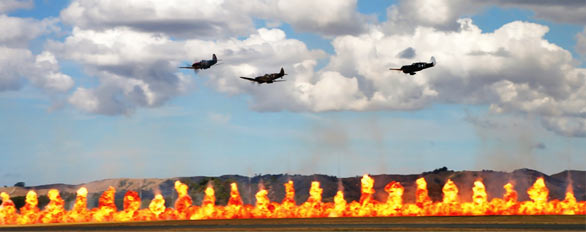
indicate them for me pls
(476, 223)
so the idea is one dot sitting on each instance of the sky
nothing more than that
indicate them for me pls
(91, 89)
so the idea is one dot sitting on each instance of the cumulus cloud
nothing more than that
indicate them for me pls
(185, 18)
(9, 5)
(569, 11)
(408, 53)
(17, 62)
(139, 69)
(513, 69)
(405, 16)
(17, 32)
(215, 19)
(41, 70)
(134, 68)
(133, 50)
(327, 17)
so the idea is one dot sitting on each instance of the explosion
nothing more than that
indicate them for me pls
(367, 206)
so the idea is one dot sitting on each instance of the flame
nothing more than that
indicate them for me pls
(366, 202)
(421, 194)
(479, 198)
(7, 210)
(263, 208)
(131, 207)
(339, 205)
(183, 202)
(450, 204)
(208, 205)
(394, 200)
(157, 205)
(312, 207)
(234, 209)
(569, 203)
(106, 207)
(79, 213)
(393, 205)
(538, 193)
(29, 213)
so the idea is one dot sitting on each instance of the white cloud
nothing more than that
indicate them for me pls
(568, 11)
(185, 18)
(513, 69)
(9, 5)
(17, 62)
(405, 16)
(47, 76)
(135, 69)
(17, 32)
(129, 48)
(326, 17)
(212, 19)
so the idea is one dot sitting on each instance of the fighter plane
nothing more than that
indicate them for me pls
(415, 67)
(203, 64)
(267, 78)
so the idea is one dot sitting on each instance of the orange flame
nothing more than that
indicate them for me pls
(131, 207)
(208, 205)
(79, 213)
(394, 200)
(421, 194)
(183, 202)
(451, 202)
(54, 211)
(157, 205)
(234, 209)
(314, 207)
(538, 193)
(262, 209)
(106, 207)
(479, 198)
(7, 210)
(29, 212)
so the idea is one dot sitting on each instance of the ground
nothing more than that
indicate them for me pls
(477, 223)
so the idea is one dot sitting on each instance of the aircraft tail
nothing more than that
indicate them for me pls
(214, 57)
(282, 73)
(432, 60)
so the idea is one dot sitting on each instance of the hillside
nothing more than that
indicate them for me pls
(248, 186)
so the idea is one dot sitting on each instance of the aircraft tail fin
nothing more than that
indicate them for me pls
(214, 57)
(282, 73)
(432, 60)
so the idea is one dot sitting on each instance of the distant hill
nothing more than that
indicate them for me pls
(248, 186)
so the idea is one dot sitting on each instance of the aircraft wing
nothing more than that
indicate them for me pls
(278, 80)
(187, 67)
(248, 78)
(397, 69)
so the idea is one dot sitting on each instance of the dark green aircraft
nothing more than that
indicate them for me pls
(415, 67)
(267, 78)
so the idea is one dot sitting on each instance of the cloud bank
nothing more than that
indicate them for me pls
(134, 47)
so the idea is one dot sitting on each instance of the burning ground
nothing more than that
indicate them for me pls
(441, 192)
(248, 187)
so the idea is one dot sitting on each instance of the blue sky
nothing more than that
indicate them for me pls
(213, 129)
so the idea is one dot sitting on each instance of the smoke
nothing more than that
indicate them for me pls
(345, 147)
(506, 144)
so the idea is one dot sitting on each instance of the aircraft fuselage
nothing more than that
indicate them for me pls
(415, 67)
